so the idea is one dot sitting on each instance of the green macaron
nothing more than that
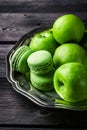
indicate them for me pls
(40, 62)
(42, 82)
(19, 59)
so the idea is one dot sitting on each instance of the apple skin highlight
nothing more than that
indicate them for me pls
(68, 28)
(44, 41)
(70, 82)
(69, 52)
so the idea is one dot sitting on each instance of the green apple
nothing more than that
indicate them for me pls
(70, 81)
(44, 41)
(68, 28)
(69, 52)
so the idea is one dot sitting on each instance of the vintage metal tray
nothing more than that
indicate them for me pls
(24, 87)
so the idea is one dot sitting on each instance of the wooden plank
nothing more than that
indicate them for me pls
(4, 49)
(13, 26)
(15, 110)
(43, 6)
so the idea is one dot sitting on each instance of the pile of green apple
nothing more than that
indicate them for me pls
(65, 41)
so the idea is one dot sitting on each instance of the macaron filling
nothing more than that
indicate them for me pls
(42, 82)
(40, 62)
(43, 68)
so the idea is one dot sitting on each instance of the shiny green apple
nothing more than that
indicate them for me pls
(68, 28)
(44, 41)
(69, 52)
(70, 81)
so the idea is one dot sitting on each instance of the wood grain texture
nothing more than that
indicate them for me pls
(18, 17)
(14, 25)
(44, 6)
(15, 109)
(4, 49)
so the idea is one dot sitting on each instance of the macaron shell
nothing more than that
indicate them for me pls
(42, 82)
(16, 55)
(42, 70)
(19, 59)
(40, 62)
(22, 65)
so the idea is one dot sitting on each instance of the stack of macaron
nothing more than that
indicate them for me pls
(36, 66)
(41, 70)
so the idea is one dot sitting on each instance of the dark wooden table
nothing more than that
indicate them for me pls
(17, 17)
